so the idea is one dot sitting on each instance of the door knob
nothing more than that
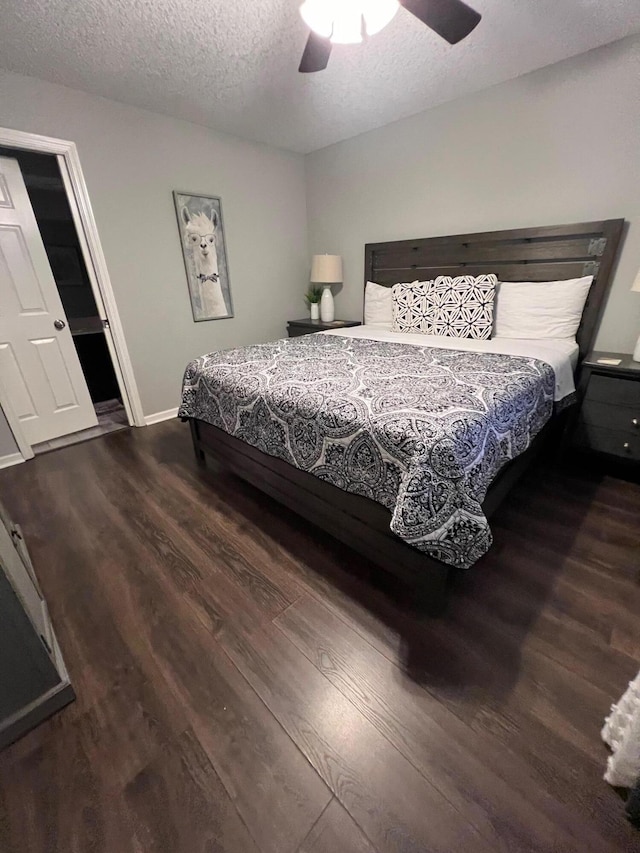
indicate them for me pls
(59, 324)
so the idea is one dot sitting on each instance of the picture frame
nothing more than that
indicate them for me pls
(204, 251)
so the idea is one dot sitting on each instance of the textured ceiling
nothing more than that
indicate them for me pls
(232, 65)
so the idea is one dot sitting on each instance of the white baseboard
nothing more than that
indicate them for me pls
(161, 416)
(11, 459)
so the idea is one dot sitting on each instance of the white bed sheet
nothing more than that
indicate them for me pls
(561, 354)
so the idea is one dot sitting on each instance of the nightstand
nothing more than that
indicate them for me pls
(308, 327)
(607, 423)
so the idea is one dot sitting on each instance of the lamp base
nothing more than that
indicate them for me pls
(327, 308)
(636, 352)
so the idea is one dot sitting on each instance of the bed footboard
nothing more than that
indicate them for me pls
(358, 522)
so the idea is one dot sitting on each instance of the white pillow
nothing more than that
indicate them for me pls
(378, 309)
(540, 309)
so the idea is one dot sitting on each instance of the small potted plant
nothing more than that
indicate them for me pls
(312, 298)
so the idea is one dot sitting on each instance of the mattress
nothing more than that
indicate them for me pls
(421, 430)
(559, 353)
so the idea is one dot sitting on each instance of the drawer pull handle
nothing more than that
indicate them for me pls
(626, 445)
(635, 422)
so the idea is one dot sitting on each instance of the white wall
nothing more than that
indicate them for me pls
(559, 145)
(132, 160)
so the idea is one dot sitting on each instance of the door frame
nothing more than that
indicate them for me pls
(77, 193)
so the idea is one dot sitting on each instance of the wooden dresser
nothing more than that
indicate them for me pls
(607, 423)
(33, 679)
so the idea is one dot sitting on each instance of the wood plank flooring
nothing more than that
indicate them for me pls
(247, 684)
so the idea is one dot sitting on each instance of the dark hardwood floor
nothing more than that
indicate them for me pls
(246, 684)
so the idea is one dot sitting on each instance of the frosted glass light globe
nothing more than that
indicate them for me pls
(378, 13)
(341, 20)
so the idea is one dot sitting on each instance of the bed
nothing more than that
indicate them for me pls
(402, 446)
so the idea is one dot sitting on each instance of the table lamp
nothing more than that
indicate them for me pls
(326, 270)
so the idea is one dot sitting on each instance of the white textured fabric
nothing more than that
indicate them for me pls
(622, 732)
(378, 310)
(540, 309)
(561, 355)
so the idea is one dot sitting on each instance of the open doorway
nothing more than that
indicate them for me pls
(65, 372)
(47, 195)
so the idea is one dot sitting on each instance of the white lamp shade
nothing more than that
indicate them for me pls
(326, 269)
(636, 284)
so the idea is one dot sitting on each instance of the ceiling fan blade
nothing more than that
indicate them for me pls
(316, 54)
(451, 19)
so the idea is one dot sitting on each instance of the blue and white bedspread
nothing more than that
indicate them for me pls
(420, 430)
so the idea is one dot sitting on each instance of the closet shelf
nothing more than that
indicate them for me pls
(85, 325)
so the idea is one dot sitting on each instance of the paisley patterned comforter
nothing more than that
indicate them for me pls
(420, 430)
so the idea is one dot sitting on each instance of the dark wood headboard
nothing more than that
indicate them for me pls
(525, 254)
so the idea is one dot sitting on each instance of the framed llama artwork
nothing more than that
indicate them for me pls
(205, 255)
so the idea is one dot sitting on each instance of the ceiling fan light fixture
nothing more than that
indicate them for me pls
(378, 13)
(342, 20)
(347, 26)
(318, 15)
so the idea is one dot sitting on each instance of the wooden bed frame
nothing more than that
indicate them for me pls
(528, 254)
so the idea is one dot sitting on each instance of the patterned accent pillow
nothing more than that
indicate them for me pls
(410, 306)
(461, 307)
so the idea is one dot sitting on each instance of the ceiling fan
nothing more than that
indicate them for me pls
(343, 21)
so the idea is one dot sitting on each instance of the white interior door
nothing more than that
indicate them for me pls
(39, 368)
